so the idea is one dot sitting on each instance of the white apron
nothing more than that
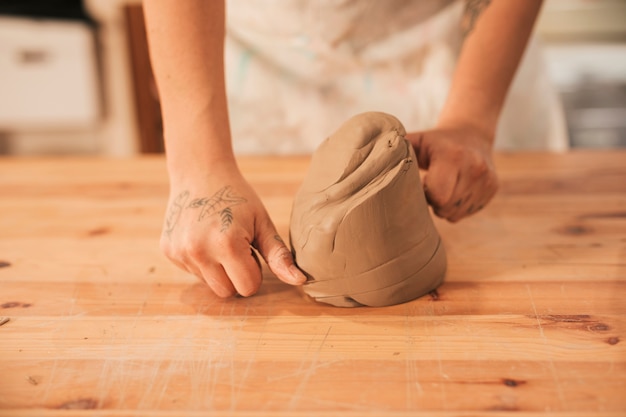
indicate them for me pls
(297, 69)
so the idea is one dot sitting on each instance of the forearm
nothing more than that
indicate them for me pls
(186, 41)
(496, 35)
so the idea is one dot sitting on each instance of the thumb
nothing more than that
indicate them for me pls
(277, 256)
(439, 184)
(420, 142)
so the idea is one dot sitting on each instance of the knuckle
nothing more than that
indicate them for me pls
(165, 247)
(455, 156)
(173, 252)
(193, 249)
(440, 213)
(495, 184)
(434, 197)
(228, 247)
(481, 168)
(490, 187)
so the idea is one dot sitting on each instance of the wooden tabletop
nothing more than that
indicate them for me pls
(531, 318)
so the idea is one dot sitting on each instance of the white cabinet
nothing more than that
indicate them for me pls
(48, 75)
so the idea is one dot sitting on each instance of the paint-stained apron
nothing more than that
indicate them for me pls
(297, 69)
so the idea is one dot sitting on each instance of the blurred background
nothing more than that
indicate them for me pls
(75, 76)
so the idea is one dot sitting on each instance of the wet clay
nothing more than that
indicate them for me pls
(360, 226)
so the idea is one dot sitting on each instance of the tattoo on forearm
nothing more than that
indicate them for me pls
(473, 9)
(174, 212)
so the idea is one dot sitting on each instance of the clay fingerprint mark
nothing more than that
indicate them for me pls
(79, 404)
(225, 198)
(174, 212)
(5, 264)
(15, 304)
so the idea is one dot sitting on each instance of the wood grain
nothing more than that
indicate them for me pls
(531, 319)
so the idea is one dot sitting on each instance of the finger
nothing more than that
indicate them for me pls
(421, 148)
(277, 256)
(439, 184)
(478, 197)
(243, 271)
(481, 191)
(463, 200)
(182, 266)
(217, 279)
(458, 207)
(468, 209)
(461, 212)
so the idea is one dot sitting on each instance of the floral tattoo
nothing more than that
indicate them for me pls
(220, 203)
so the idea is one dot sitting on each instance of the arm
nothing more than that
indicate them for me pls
(213, 216)
(460, 176)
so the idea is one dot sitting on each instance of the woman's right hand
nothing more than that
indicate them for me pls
(214, 218)
(211, 226)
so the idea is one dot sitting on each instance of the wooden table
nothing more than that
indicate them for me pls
(531, 319)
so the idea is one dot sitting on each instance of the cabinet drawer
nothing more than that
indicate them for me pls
(48, 75)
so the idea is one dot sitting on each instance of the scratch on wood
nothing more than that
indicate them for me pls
(309, 372)
(4, 320)
(555, 376)
(572, 322)
(79, 404)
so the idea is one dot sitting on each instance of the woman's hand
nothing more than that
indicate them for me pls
(211, 225)
(460, 178)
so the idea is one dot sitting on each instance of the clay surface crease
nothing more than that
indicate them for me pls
(360, 225)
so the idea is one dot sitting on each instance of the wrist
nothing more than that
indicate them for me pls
(478, 128)
(200, 167)
(199, 157)
(198, 146)
(471, 108)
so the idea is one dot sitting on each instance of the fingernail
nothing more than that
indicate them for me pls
(297, 275)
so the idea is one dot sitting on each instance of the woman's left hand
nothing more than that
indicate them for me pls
(461, 178)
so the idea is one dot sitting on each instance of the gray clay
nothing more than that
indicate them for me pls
(360, 226)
